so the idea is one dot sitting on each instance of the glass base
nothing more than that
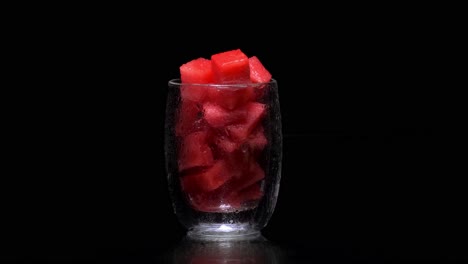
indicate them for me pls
(223, 232)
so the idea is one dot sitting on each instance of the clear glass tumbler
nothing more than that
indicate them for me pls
(223, 146)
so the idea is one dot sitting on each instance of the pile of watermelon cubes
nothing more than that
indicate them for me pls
(221, 133)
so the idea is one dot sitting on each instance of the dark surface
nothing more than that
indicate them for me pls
(363, 178)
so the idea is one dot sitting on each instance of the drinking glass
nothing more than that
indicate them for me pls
(223, 151)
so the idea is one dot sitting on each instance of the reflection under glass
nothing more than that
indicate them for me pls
(213, 252)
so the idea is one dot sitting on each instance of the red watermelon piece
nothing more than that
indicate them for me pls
(226, 145)
(230, 97)
(197, 71)
(239, 160)
(231, 67)
(241, 131)
(208, 180)
(217, 116)
(258, 73)
(195, 152)
(229, 193)
(257, 140)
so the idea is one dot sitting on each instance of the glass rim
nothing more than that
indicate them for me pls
(177, 82)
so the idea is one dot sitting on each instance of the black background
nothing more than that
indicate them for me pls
(362, 176)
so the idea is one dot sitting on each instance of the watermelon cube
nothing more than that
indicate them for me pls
(225, 144)
(197, 71)
(258, 73)
(241, 131)
(207, 180)
(230, 97)
(231, 67)
(257, 140)
(239, 160)
(195, 152)
(224, 187)
(217, 116)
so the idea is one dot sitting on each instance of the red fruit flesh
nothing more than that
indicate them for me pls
(231, 67)
(226, 145)
(258, 73)
(195, 152)
(208, 180)
(216, 116)
(197, 71)
(231, 98)
(257, 140)
(240, 132)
